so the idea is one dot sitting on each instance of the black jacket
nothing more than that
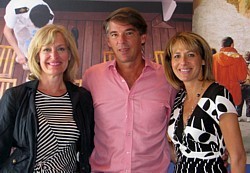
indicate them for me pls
(19, 126)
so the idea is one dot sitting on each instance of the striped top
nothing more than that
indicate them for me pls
(57, 136)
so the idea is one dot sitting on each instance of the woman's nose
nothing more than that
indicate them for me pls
(183, 60)
(54, 53)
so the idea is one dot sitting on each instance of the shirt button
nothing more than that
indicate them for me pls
(127, 152)
(129, 134)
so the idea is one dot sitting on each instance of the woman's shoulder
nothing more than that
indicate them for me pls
(218, 92)
(78, 90)
(215, 86)
(23, 88)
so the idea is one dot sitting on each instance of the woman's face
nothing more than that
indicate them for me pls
(186, 64)
(54, 58)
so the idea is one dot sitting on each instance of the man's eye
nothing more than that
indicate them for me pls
(113, 35)
(129, 33)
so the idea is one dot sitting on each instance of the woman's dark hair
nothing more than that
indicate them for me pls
(193, 42)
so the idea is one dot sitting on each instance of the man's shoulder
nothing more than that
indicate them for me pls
(97, 70)
(97, 67)
(154, 65)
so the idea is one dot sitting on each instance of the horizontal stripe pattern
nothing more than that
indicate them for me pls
(57, 136)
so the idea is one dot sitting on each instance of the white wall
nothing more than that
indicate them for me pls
(216, 19)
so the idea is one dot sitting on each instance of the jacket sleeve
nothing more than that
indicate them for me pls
(89, 129)
(7, 122)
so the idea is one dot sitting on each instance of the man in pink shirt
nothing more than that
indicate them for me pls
(132, 102)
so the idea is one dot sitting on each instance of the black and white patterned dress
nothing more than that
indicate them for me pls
(57, 136)
(200, 145)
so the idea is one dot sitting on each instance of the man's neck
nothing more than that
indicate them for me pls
(131, 71)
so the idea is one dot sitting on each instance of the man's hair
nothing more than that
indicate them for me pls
(227, 42)
(247, 56)
(128, 16)
(40, 15)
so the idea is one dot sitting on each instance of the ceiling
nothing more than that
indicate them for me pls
(142, 0)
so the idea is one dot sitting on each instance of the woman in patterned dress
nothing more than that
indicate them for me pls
(204, 120)
(48, 120)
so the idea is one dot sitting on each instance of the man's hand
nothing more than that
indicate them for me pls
(21, 59)
(225, 158)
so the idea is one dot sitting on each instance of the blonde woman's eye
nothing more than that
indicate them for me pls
(61, 49)
(46, 50)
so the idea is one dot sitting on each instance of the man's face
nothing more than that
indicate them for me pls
(126, 41)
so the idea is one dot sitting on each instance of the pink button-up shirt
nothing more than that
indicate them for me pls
(130, 124)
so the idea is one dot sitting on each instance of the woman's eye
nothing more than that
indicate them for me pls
(46, 50)
(176, 56)
(61, 49)
(191, 55)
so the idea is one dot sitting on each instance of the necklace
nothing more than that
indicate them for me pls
(193, 104)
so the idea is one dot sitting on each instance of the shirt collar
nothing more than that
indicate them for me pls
(148, 64)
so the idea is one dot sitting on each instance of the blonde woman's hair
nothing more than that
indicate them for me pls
(193, 42)
(46, 36)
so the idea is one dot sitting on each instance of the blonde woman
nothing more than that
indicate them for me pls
(48, 120)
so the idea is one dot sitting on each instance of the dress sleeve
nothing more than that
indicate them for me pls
(224, 102)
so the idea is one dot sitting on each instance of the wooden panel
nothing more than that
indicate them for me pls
(81, 29)
(87, 53)
(179, 26)
(92, 40)
(187, 26)
(156, 34)
(164, 38)
(149, 43)
(97, 43)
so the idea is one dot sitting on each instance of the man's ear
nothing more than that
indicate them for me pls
(143, 39)
(203, 62)
(107, 41)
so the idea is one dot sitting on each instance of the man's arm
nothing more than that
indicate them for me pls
(9, 35)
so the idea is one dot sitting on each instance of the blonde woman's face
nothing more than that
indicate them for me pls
(54, 58)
